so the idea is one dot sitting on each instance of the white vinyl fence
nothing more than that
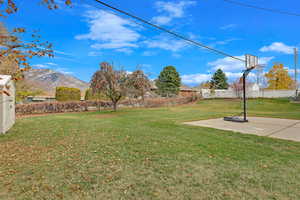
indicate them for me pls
(230, 93)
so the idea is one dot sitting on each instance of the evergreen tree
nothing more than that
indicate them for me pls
(219, 80)
(168, 82)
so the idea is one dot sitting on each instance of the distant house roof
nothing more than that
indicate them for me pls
(41, 98)
(187, 88)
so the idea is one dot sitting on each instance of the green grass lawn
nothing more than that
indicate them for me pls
(149, 154)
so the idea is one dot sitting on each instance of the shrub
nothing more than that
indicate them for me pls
(89, 96)
(67, 94)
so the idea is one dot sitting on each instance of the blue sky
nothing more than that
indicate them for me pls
(87, 34)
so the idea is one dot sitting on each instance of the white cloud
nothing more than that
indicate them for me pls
(233, 76)
(63, 70)
(94, 53)
(149, 53)
(125, 50)
(229, 64)
(41, 66)
(52, 64)
(171, 10)
(146, 65)
(265, 60)
(166, 43)
(224, 42)
(110, 31)
(195, 78)
(278, 47)
(62, 53)
(162, 20)
(200, 78)
(228, 27)
(291, 71)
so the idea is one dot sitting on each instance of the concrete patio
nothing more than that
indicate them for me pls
(286, 129)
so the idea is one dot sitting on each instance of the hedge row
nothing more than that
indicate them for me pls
(81, 106)
(58, 107)
(67, 94)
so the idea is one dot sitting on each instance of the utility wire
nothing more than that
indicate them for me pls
(262, 8)
(113, 13)
(168, 31)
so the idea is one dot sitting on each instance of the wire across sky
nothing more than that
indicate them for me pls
(145, 22)
(263, 8)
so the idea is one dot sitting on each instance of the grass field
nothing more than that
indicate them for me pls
(149, 154)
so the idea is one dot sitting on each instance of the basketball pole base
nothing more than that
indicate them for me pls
(235, 119)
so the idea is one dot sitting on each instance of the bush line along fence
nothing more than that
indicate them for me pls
(67, 94)
(81, 106)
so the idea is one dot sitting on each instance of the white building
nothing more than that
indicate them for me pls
(7, 103)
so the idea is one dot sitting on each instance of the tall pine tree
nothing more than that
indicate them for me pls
(219, 80)
(168, 82)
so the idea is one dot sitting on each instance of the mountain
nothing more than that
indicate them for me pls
(47, 80)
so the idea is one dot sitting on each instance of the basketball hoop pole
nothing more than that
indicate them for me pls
(251, 62)
(244, 97)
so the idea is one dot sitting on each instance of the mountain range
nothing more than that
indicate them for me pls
(47, 80)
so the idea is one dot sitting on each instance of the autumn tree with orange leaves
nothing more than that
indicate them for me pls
(13, 49)
(16, 53)
(10, 6)
(279, 79)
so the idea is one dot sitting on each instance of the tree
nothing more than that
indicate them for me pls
(15, 55)
(110, 82)
(89, 95)
(138, 84)
(10, 6)
(279, 79)
(204, 85)
(238, 86)
(219, 80)
(168, 82)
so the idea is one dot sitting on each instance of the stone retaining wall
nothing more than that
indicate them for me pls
(81, 106)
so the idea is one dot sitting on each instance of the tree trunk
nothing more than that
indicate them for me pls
(115, 106)
(98, 104)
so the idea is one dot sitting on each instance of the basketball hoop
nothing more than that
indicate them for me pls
(251, 62)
